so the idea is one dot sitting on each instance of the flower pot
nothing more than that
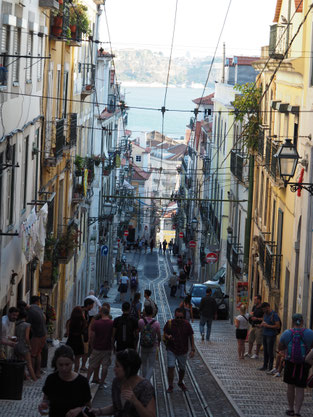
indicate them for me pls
(106, 172)
(57, 27)
(97, 163)
(73, 31)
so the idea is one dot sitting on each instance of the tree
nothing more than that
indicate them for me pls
(247, 111)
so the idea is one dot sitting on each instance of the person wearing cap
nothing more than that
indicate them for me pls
(296, 372)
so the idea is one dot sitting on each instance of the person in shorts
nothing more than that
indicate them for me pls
(295, 374)
(256, 333)
(38, 331)
(101, 343)
(178, 334)
(242, 325)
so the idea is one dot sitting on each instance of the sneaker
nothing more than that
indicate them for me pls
(262, 369)
(255, 356)
(272, 372)
(247, 355)
(277, 375)
(202, 337)
(182, 386)
(170, 389)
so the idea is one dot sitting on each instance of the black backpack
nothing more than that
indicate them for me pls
(124, 335)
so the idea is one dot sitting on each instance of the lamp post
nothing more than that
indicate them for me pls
(288, 158)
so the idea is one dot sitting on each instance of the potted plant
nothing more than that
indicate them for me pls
(79, 164)
(97, 159)
(79, 21)
(57, 25)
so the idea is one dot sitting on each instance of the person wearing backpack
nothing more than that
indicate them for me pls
(150, 338)
(125, 330)
(133, 283)
(297, 342)
(270, 325)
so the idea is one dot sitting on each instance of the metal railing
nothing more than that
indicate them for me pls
(59, 137)
(88, 75)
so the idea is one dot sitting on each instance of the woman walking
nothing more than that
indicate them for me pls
(242, 325)
(187, 307)
(66, 392)
(135, 307)
(75, 328)
(132, 395)
(22, 348)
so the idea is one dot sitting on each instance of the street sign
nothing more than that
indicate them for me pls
(118, 240)
(192, 244)
(126, 233)
(173, 227)
(211, 258)
(181, 234)
(104, 250)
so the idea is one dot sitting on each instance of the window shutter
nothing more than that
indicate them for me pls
(39, 64)
(16, 51)
(29, 51)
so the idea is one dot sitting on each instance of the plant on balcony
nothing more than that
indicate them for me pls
(97, 159)
(57, 23)
(80, 165)
(247, 111)
(79, 21)
(68, 242)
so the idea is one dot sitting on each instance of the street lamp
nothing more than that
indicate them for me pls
(288, 158)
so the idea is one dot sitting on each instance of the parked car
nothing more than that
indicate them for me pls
(197, 291)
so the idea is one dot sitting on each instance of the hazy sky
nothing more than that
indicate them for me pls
(149, 24)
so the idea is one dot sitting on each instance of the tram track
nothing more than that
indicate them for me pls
(205, 397)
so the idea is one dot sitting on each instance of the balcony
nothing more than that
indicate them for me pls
(260, 148)
(270, 161)
(60, 23)
(236, 164)
(234, 255)
(59, 138)
(261, 247)
(49, 4)
(88, 72)
(67, 244)
(278, 41)
(48, 275)
(72, 122)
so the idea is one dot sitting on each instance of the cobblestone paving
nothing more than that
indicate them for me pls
(254, 392)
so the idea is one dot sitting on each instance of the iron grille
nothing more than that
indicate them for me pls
(59, 138)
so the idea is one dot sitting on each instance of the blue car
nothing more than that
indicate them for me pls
(197, 291)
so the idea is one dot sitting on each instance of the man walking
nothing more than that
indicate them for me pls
(125, 330)
(270, 325)
(37, 319)
(150, 338)
(208, 311)
(178, 334)
(101, 343)
(164, 244)
(256, 333)
(182, 284)
(8, 331)
(150, 302)
(173, 284)
(96, 306)
(297, 342)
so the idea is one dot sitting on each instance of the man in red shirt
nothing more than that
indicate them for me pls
(101, 342)
(177, 334)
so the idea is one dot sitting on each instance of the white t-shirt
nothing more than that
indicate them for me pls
(8, 327)
(96, 306)
(243, 321)
(124, 279)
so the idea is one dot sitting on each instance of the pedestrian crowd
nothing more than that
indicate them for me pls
(294, 353)
(134, 337)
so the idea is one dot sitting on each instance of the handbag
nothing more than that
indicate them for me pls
(309, 381)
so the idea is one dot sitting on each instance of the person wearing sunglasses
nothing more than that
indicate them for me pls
(178, 335)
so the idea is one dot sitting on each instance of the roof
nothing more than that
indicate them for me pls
(139, 174)
(298, 6)
(207, 100)
(105, 114)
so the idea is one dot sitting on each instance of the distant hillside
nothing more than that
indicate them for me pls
(145, 66)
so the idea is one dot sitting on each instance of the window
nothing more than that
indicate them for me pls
(261, 195)
(17, 52)
(266, 196)
(11, 189)
(138, 158)
(5, 47)
(1, 174)
(58, 93)
(25, 171)
(40, 54)
(65, 88)
(29, 52)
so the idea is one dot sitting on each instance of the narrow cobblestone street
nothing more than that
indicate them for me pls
(253, 392)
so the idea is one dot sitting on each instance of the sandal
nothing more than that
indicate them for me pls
(290, 413)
